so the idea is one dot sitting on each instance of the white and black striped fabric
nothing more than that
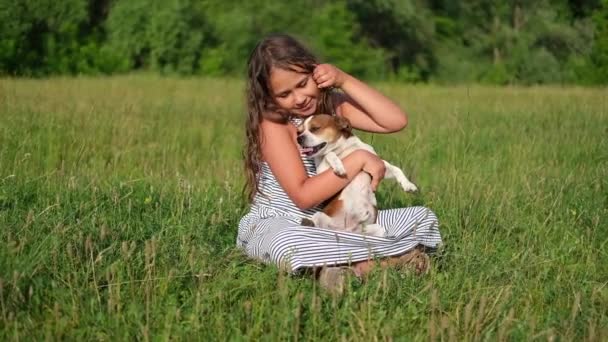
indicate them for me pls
(271, 231)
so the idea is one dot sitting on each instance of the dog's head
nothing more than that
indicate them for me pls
(319, 134)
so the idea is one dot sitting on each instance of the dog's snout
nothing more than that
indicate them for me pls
(301, 139)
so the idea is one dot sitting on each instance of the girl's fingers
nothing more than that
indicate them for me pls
(318, 74)
(375, 183)
(325, 84)
(322, 79)
(322, 70)
(323, 76)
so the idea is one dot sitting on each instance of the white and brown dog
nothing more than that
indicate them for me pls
(328, 139)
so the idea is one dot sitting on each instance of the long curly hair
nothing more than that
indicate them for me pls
(274, 51)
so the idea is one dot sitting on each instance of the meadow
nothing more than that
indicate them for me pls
(120, 199)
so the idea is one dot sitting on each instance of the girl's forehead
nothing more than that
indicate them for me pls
(283, 79)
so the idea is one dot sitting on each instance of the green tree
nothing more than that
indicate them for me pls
(42, 37)
(529, 42)
(167, 36)
(329, 28)
(514, 42)
(599, 54)
(402, 28)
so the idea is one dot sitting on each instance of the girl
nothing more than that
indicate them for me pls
(285, 84)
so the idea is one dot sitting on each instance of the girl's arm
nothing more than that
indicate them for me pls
(366, 108)
(280, 151)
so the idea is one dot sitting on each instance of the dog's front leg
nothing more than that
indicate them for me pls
(394, 172)
(336, 164)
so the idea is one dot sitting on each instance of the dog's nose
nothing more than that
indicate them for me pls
(301, 139)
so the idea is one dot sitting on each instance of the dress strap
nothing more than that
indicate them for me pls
(296, 121)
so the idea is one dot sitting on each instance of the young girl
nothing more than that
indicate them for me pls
(285, 84)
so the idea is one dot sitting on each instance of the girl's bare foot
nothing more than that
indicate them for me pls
(363, 268)
(334, 279)
(415, 260)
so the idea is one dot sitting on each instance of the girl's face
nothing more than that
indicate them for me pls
(294, 91)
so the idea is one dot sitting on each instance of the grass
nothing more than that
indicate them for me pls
(120, 199)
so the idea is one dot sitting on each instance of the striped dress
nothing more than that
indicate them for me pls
(271, 231)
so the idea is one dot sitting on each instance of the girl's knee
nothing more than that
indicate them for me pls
(421, 213)
(282, 248)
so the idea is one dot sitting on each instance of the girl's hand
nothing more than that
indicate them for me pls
(375, 167)
(327, 75)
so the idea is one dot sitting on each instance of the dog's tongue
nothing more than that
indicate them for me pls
(306, 150)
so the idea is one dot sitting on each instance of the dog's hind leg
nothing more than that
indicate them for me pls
(322, 220)
(394, 172)
(307, 222)
(374, 230)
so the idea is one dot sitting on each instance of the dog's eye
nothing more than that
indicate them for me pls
(313, 129)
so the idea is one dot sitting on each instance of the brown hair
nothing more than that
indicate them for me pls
(279, 51)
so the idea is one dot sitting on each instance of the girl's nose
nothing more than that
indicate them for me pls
(300, 100)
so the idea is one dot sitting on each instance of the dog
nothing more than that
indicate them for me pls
(328, 139)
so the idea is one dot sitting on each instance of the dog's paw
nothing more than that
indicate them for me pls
(307, 222)
(409, 187)
(319, 219)
(374, 230)
(336, 164)
(339, 170)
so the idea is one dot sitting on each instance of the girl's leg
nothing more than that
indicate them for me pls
(282, 241)
(417, 223)
(415, 260)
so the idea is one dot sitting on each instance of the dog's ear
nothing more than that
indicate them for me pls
(343, 124)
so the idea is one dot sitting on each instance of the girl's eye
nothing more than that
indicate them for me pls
(283, 95)
(303, 83)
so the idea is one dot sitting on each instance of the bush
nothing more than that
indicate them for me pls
(599, 53)
(166, 36)
(489, 41)
(37, 36)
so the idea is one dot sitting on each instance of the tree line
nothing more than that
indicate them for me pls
(443, 41)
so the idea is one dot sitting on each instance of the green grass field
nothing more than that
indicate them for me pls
(120, 199)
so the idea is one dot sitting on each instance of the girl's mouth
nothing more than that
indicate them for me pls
(307, 108)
